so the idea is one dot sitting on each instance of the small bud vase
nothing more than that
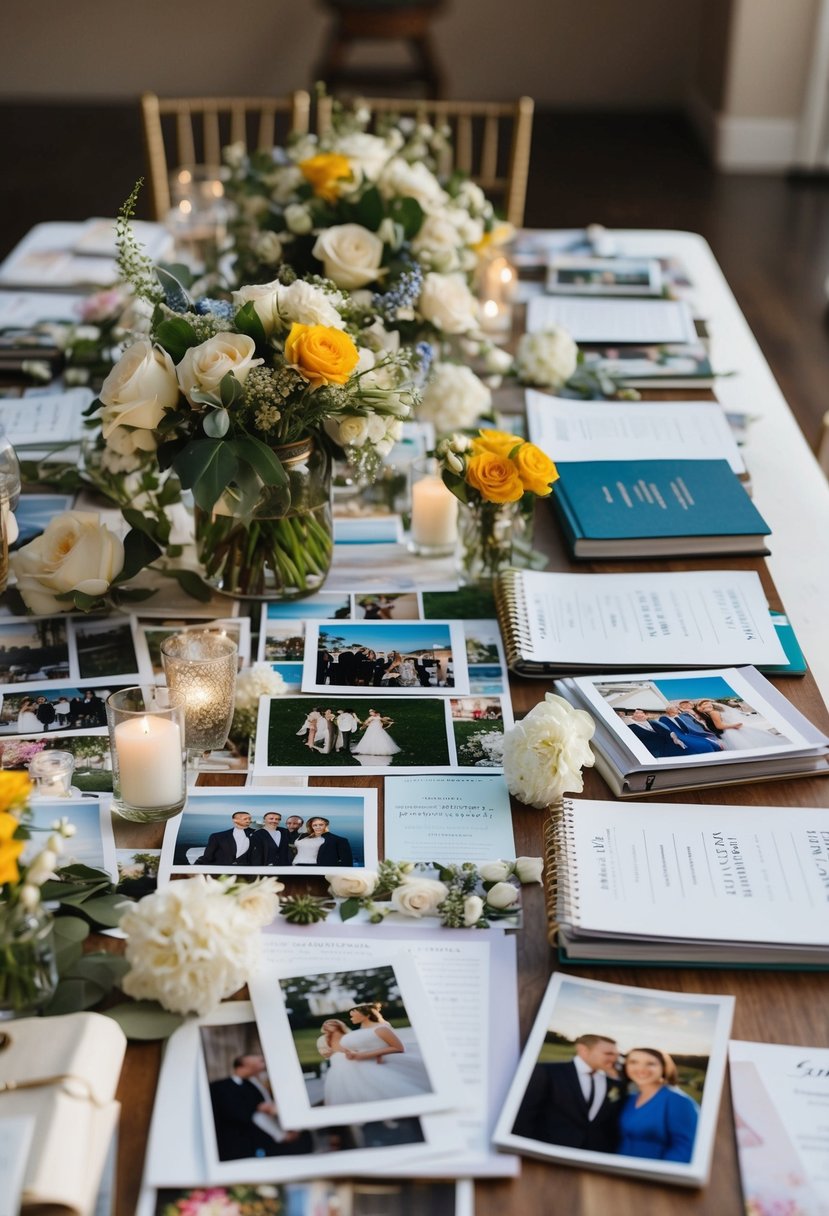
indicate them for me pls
(493, 536)
(28, 971)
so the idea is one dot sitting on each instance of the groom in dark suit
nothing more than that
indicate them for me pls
(269, 846)
(229, 848)
(237, 1100)
(576, 1104)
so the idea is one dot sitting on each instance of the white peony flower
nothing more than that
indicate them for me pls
(529, 869)
(473, 910)
(453, 397)
(545, 752)
(353, 886)
(436, 244)
(399, 179)
(205, 366)
(547, 359)
(447, 302)
(75, 552)
(367, 153)
(495, 871)
(139, 388)
(418, 896)
(351, 255)
(257, 680)
(502, 895)
(260, 900)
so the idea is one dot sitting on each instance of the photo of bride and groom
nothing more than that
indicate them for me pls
(411, 657)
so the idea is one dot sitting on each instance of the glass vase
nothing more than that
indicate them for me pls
(493, 536)
(28, 971)
(282, 549)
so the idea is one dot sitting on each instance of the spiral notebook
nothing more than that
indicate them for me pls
(661, 883)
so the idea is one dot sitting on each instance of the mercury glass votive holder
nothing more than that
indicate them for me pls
(200, 666)
(146, 738)
(52, 771)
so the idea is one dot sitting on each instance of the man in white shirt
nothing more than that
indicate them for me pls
(229, 848)
(347, 723)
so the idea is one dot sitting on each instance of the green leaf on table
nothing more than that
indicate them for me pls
(144, 1020)
(349, 908)
(262, 459)
(103, 970)
(207, 466)
(71, 996)
(247, 322)
(70, 928)
(107, 910)
(176, 336)
(67, 953)
(191, 584)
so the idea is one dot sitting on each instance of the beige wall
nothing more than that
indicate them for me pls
(770, 55)
(579, 53)
(713, 45)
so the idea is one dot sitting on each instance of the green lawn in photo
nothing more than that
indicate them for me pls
(305, 1041)
(102, 655)
(418, 728)
(468, 740)
(691, 1077)
(465, 604)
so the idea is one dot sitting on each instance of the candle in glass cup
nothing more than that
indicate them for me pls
(434, 514)
(149, 761)
(200, 666)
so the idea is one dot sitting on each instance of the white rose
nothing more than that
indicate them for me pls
(502, 895)
(126, 442)
(473, 910)
(260, 900)
(377, 430)
(400, 179)
(140, 387)
(418, 896)
(268, 248)
(495, 871)
(367, 153)
(453, 397)
(205, 366)
(353, 886)
(529, 869)
(447, 302)
(436, 244)
(350, 431)
(545, 752)
(265, 298)
(75, 552)
(298, 219)
(548, 359)
(308, 305)
(350, 254)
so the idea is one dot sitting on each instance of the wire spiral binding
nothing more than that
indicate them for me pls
(513, 617)
(561, 884)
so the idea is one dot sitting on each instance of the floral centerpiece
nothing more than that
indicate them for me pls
(244, 402)
(497, 477)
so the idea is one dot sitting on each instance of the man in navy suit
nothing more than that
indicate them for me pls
(576, 1103)
(269, 845)
(229, 848)
(693, 735)
(657, 739)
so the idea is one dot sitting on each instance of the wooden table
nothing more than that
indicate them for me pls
(771, 1006)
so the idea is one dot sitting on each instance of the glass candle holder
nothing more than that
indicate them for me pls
(146, 738)
(200, 666)
(199, 215)
(434, 530)
(52, 770)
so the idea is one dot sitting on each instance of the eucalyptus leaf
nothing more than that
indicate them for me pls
(349, 908)
(144, 1020)
(101, 969)
(71, 996)
(107, 910)
(67, 953)
(71, 928)
(216, 423)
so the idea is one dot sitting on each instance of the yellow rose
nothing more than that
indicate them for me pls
(494, 477)
(14, 791)
(10, 849)
(321, 354)
(501, 443)
(325, 172)
(536, 470)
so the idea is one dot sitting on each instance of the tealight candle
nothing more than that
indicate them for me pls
(434, 516)
(200, 666)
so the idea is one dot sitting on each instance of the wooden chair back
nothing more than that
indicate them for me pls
(491, 140)
(193, 131)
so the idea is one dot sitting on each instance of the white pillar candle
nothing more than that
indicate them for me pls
(149, 761)
(434, 513)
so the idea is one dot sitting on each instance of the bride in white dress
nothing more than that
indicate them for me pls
(375, 744)
(27, 720)
(737, 734)
(372, 1062)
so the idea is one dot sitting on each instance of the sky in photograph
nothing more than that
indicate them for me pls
(408, 636)
(635, 1020)
(85, 847)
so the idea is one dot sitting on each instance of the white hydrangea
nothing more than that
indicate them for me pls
(258, 680)
(548, 359)
(454, 397)
(545, 752)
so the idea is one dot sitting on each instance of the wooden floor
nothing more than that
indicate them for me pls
(769, 234)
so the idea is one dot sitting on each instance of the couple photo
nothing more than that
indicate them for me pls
(341, 730)
(70, 709)
(409, 656)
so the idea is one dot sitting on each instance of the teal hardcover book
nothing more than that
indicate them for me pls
(656, 508)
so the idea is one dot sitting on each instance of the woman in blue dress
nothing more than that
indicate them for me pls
(659, 1121)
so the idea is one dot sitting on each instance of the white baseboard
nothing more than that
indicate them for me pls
(744, 145)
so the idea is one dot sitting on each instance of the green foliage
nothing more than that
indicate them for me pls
(176, 336)
(134, 267)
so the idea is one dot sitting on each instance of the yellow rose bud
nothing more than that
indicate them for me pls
(322, 355)
(494, 477)
(10, 849)
(536, 470)
(499, 442)
(324, 172)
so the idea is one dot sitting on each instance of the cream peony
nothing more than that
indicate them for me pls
(76, 552)
(195, 942)
(353, 886)
(140, 387)
(495, 871)
(453, 398)
(545, 752)
(502, 895)
(400, 179)
(418, 896)
(446, 301)
(257, 680)
(529, 869)
(473, 910)
(547, 359)
(205, 366)
(367, 153)
(351, 255)
(277, 306)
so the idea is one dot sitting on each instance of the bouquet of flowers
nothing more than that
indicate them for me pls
(497, 476)
(369, 211)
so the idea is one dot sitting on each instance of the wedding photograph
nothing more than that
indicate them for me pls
(478, 727)
(391, 606)
(282, 642)
(33, 650)
(310, 831)
(93, 761)
(149, 633)
(689, 717)
(104, 649)
(485, 656)
(46, 708)
(244, 1122)
(92, 844)
(411, 657)
(341, 735)
(324, 606)
(611, 1072)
